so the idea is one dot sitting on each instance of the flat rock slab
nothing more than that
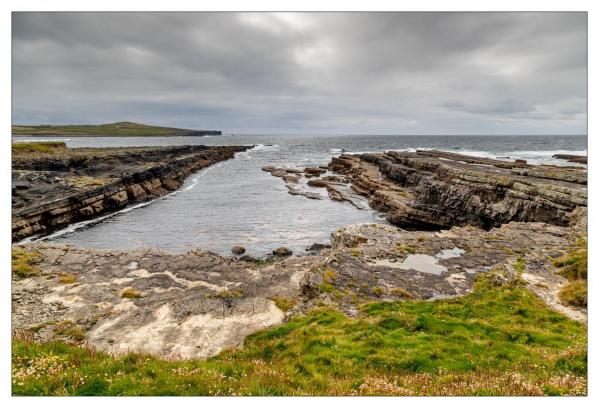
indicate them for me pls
(185, 306)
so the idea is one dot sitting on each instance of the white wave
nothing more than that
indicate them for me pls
(202, 173)
(263, 147)
(547, 152)
(532, 156)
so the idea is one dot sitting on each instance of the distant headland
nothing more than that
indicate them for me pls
(109, 129)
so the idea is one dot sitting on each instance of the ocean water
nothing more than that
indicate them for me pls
(236, 203)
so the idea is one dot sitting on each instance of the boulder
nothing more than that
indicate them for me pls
(316, 247)
(238, 250)
(282, 251)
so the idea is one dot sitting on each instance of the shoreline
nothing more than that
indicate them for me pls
(154, 173)
(441, 246)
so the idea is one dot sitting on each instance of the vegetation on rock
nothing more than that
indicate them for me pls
(24, 263)
(130, 293)
(573, 266)
(498, 340)
(38, 147)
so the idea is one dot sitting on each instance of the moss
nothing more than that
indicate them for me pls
(130, 293)
(25, 263)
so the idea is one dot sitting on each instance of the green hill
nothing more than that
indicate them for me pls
(109, 129)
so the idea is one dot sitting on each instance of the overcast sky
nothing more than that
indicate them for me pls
(393, 73)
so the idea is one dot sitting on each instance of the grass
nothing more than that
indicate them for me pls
(285, 304)
(405, 248)
(109, 129)
(574, 293)
(130, 293)
(498, 340)
(67, 279)
(24, 263)
(38, 147)
(573, 266)
(69, 330)
(401, 292)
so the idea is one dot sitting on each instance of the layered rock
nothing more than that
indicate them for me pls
(148, 179)
(432, 190)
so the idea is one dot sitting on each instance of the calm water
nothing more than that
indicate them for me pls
(235, 203)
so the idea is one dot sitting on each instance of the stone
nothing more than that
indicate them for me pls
(282, 251)
(289, 178)
(238, 250)
(314, 171)
(295, 191)
(317, 183)
(317, 247)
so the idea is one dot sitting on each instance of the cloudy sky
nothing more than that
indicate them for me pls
(376, 73)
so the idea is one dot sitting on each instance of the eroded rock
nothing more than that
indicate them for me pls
(432, 190)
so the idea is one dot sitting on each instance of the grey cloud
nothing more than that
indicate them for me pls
(333, 72)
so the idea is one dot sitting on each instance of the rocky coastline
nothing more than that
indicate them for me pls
(51, 192)
(454, 218)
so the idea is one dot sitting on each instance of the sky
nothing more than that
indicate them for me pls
(347, 73)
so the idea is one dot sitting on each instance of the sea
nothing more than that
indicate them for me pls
(236, 203)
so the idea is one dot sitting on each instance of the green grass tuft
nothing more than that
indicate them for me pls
(24, 263)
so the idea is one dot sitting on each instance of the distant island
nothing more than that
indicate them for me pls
(109, 129)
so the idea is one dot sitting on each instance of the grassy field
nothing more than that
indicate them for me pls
(498, 340)
(27, 148)
(110, 129)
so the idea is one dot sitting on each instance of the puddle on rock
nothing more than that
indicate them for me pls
(422, 262)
